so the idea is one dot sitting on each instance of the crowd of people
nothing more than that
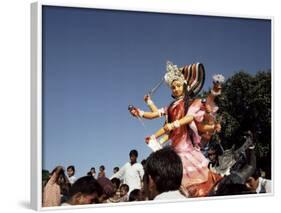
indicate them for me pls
(191, 165)
(158, 178)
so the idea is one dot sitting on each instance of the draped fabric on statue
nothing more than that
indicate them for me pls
(195, 165)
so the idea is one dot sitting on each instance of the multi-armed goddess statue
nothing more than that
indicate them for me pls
(188, 120)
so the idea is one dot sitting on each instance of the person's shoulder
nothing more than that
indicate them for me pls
(170, 195)
(264, 181)
(126, 165)
(65, 204)
(139, 165)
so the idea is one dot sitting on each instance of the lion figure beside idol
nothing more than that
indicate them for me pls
(189, 124)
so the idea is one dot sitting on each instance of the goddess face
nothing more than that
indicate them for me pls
(177, 88)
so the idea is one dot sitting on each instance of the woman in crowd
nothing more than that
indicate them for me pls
(56, 189)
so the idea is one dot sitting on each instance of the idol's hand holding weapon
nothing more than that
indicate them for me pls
(211, 124)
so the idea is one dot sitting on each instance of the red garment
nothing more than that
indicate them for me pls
(195, 165)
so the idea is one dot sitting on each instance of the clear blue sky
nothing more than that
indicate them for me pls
(96, 62)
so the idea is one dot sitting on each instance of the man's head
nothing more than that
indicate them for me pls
(135, 195)
(102, 168)
(212, 155)
(124, 189)
(133, 156)
(115, 169)
(85, 190)
(116, 184)
(143, 162)
(108, 189)
(253, 181)
(163, 172)
(93, 170)
(70, 171)
(229, 185)
(214, 152)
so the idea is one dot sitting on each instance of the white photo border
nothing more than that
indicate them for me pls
(36, 96)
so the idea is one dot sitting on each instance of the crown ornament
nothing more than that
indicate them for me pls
(173, 73)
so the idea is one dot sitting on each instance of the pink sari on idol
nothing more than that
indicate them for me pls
(195, 165)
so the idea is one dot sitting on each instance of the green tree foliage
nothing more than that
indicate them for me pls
(245, 104)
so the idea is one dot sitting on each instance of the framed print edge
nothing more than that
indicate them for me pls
(36, 99)
(36, 106)
(272, 19)
(153, 8)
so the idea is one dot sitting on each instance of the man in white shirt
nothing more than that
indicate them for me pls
(258, 184)
(163, 175)
(131, 173)
(264, 186)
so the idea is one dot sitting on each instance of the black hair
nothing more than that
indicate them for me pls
(102, 167)
(165, 168)
(116, 168)
(233, 189)
(71, 167)
(135, 195)
(256, 174)
(125, 186)
(86, 185)
(143, 162)
(216, 147)
(133, 152)
(186, 97)
(116, 181)
(228, 186)
(61, 177)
